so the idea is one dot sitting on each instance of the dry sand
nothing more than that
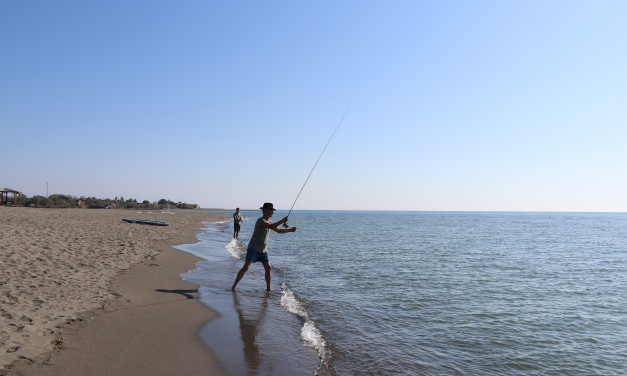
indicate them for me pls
(65, 284)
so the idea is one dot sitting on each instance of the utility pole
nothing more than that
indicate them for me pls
(46, 189)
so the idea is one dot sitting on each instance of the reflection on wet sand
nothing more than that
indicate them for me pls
(251, 318)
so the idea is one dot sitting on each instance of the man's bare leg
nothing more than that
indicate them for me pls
(241, 273)
(268, 268)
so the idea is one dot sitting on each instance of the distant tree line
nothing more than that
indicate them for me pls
(67, 201)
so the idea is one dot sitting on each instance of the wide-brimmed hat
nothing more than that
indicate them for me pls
(267, 205)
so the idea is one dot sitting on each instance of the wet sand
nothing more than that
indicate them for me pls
(82, 292)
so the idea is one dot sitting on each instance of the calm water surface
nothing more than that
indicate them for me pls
(414, 293)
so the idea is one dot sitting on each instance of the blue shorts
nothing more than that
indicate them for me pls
(254, 256)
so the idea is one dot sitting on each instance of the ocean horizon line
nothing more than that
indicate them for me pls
(417, 211)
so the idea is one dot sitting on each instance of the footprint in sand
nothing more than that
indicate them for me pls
(26, 319)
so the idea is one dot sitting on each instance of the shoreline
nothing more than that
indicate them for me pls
(256, 334)
(150, 327)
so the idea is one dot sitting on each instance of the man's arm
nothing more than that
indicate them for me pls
(284, 230)
(274, 225)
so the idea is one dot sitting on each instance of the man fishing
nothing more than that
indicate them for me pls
(258, 245)
(237, 219)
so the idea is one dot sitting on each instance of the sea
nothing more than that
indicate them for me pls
(420, 293)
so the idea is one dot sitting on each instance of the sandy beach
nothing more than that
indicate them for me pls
(82, 292)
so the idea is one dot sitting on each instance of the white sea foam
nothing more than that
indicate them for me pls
(236, 249)
(312, 337)
(289, 301)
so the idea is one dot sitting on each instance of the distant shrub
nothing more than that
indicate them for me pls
(62, 201)
(183, 205)
(37, 201)
(68, 201)
(95, 203)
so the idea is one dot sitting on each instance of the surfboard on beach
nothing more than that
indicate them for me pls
(140, 221)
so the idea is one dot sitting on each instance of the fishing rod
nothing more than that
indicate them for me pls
(318, 160)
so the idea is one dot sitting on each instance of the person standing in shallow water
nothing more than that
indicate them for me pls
(258, 245)
(237, 219)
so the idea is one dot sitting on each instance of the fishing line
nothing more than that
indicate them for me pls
(318, 160)
(219, 103)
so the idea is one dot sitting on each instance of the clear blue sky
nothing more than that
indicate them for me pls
(454, 105)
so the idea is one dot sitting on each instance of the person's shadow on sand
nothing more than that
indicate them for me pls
(186, 293)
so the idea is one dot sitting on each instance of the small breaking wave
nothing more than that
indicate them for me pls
(292, 304)
(236, 249)
(311, 336)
